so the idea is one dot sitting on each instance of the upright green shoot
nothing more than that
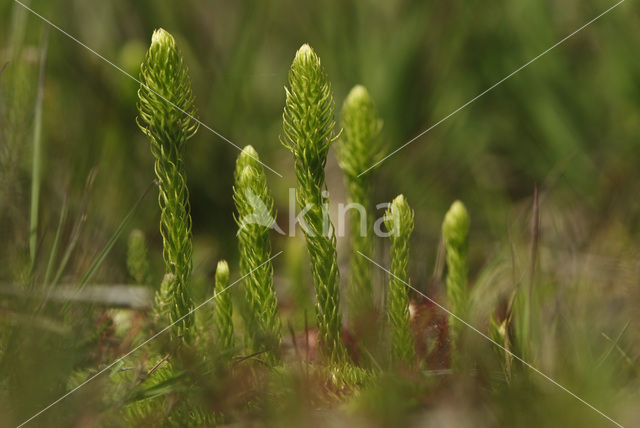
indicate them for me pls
(138, 258)
(455, 231)
(223, 312)
(308, 133)
(399, 222)
(255, 218)
(359, 148)
(166, 116)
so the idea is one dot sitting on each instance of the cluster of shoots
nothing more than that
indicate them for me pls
(166, 116)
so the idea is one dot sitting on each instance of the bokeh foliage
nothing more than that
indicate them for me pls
(568, 122)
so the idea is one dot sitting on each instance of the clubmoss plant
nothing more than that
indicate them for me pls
(255, 217)
(499, 333)
(308, 133)
(138, 258)
(359, 148)
(223, 313)
(166, 116)
(455, 231)
(399, 222)
(163, 302)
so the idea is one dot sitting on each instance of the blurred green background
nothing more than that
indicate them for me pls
(567, 123)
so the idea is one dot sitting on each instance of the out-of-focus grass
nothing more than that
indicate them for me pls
(568, 123)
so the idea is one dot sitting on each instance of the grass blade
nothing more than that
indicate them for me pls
(36, 168)
(107, 248)
(56, 243)
(75, 233)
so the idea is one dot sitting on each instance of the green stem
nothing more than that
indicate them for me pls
(36, 167)
(358, 149)
(255, 219)
(223, 313)
(308, 133)
(399, 222)
(166, 116)
(455, 230)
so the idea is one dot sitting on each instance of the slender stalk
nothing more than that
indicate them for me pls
(223, 313)
(308, 133)
(165, 86)
(533, 256)
(77, 228)
(255, 218)
(455, 230)
(399, 222)
(56, 243)
(36, 164)
(102, 255)
(359, 147)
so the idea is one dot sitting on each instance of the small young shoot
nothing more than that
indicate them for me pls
(399, 222)
(308, 133)
(138, 258)
(455, 231)
(255, 217)
(499, 333)
(163, 302)
(359, 148)
(223, 313)
(166, 116)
